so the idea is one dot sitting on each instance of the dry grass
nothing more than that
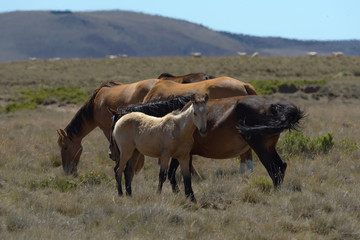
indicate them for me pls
(319, 198)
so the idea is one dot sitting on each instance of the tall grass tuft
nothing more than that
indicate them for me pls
(295, 143)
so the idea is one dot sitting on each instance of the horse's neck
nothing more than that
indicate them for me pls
(78, 131)
(185, 121)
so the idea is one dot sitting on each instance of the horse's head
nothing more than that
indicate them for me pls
(200, 113)
(196, 77)
(70, 152)
(189, 78)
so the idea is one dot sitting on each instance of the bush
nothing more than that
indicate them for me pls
(264, 184)
(347, 146)
(297, 143)
(30, 99)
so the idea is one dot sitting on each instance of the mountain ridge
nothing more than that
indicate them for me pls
(66, 34)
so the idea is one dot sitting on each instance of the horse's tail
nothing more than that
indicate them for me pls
(283, 117)
(250, 89)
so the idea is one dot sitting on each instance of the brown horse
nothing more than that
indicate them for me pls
(221, 87)
(94, 114)
(233, 126)
(163, 138)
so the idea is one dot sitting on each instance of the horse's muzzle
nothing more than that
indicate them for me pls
(69, 170)
(203, 132)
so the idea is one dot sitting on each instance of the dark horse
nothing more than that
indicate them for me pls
(233, 126)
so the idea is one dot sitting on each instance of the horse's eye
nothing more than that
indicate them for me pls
(194, 114)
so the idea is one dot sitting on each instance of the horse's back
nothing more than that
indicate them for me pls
(143, 132)
(216, 88)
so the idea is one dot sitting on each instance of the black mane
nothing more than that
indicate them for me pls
(86, 112)
(156, 109)
(165, 75)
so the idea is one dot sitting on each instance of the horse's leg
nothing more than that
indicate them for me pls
(193, 170)
(266, 158)
(164, 163)
(120, 167)
(280, 163)
(246, 158)
(118, 180)
(174, 164)
(130, 171)
(185, 170)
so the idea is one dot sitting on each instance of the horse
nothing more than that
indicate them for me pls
(163, 138)
(94, 114)
(233, 126)
(216, 88)
(237, 124)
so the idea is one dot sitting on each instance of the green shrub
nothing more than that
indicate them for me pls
(347, 146)
(297, 143)
(264, 184)
(30, 99)
(321, 144)
(11, 107)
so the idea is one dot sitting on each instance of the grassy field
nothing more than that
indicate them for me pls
(319, 198)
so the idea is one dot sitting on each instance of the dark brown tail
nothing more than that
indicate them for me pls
(287, 117)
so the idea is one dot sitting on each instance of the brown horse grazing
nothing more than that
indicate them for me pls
(235, 124)
(94, 114)
(221, 87)
(163, 138)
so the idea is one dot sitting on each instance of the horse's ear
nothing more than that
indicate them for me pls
(192, 98)
(63, 133)
(112, 111)
(58, 131)
(61, 137)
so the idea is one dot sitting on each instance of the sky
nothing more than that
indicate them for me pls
(295, 19)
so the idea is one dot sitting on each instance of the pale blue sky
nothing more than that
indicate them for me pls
(300, 19)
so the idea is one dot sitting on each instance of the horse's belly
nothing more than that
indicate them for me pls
(220, 148)
(148, 150)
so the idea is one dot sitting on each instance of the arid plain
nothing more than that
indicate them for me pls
(319, 198)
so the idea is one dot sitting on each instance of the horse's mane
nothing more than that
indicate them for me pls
(156, 109)
(165, 75)
(86, 112)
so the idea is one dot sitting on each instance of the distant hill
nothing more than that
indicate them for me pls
(66, 34)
